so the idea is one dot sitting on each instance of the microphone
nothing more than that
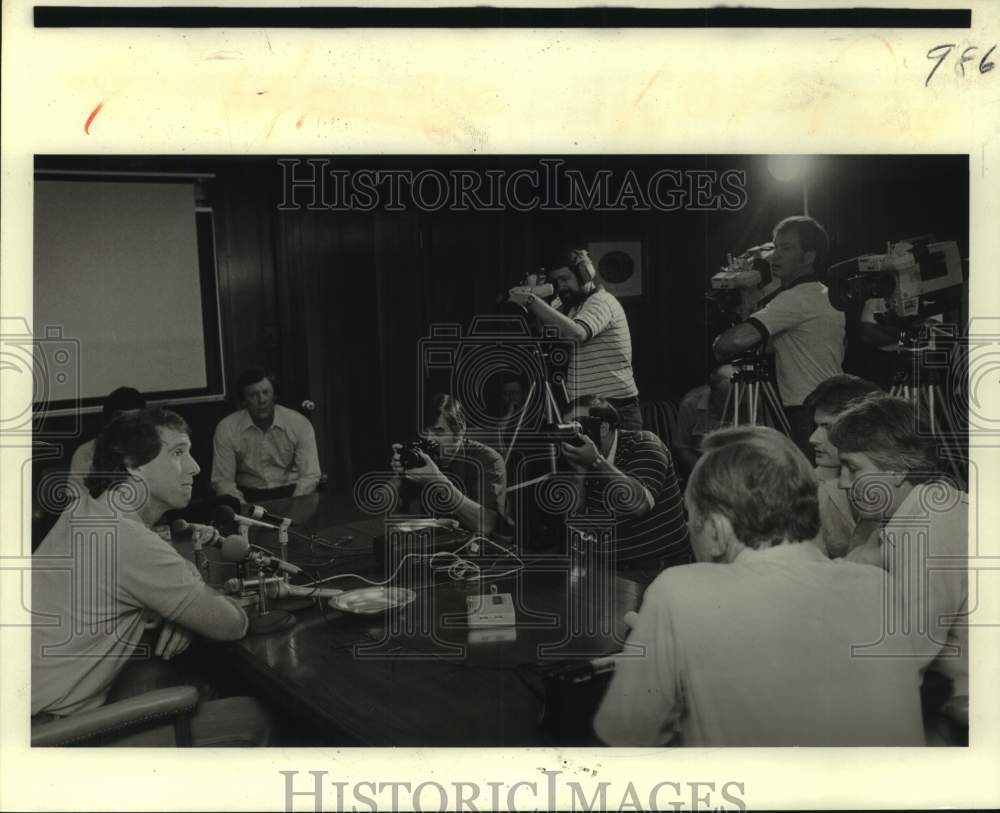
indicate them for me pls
(237, 549)
(276, 588)
(258, 512)
(226, 516)
(181, 527)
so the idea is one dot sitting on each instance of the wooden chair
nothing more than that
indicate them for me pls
(98, 726)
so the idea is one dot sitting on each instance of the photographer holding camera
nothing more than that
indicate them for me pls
(805, 332)
(594, 320)
(629, 475)
(453, 475)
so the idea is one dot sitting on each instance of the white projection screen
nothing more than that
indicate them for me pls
(118, 267)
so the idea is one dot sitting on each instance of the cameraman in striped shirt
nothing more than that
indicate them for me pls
(593, 318)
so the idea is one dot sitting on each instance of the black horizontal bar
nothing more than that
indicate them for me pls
(493, 17)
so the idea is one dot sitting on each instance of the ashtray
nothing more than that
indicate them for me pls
(372, 600)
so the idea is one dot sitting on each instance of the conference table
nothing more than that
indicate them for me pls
(420, 674)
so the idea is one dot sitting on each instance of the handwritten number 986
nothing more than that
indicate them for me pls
(941, 53)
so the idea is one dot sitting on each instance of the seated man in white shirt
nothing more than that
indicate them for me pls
(264, 450)
(119, 400)
(842, 530)
(752, 646)
(890, 475)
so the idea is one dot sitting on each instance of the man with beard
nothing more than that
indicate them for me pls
(594, 320)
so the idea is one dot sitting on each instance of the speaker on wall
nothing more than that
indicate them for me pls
(619, 267)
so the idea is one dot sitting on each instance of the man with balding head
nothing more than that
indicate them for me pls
(752, 645)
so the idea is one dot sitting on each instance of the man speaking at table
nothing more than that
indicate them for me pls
(753, 645)
(102, 577)
(588, 314)
(264, 451)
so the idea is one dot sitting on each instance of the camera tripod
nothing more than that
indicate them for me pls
(927, 397)
(552, 413)
(744, 404)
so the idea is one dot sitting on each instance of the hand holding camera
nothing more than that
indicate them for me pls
(581, 453)
(415, 461)
(531, 289)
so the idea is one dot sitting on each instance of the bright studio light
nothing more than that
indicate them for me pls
(787, 168)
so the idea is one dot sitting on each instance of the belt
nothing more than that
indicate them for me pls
(630, 401)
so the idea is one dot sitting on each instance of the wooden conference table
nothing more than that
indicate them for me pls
(419, 675)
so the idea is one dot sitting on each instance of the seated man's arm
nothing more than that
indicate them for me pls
(643, 705)
(151, 574)
(306, 461)
(475, 517)
(485, 518)
(214, 616)
(224, 463)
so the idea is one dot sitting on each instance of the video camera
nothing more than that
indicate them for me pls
(408, 452)
(904, 277)
(739, 287)
(536, 284)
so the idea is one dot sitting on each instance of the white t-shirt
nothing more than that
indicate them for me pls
(926, 546)
(94, 578)
(806, 334)
(759, 653)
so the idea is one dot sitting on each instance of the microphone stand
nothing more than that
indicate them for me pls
(283, 543)
(265, 620)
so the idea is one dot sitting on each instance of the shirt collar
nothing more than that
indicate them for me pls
(246, 421)
(788, 551)
(799, 281)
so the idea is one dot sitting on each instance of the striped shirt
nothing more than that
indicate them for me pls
(603, 363)
(661, 533)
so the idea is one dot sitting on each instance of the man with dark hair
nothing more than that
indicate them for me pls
(842, 530)
(798, 323)
(119, 400)
(826, 402)
(889, 471)
(752, 646)
(101, 573)
(264, 450)
(630, 476)
(594, 320)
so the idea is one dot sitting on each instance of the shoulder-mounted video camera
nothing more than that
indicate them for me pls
(914, 277)
(739, 287)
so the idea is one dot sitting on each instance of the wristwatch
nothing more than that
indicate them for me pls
(597, 462)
